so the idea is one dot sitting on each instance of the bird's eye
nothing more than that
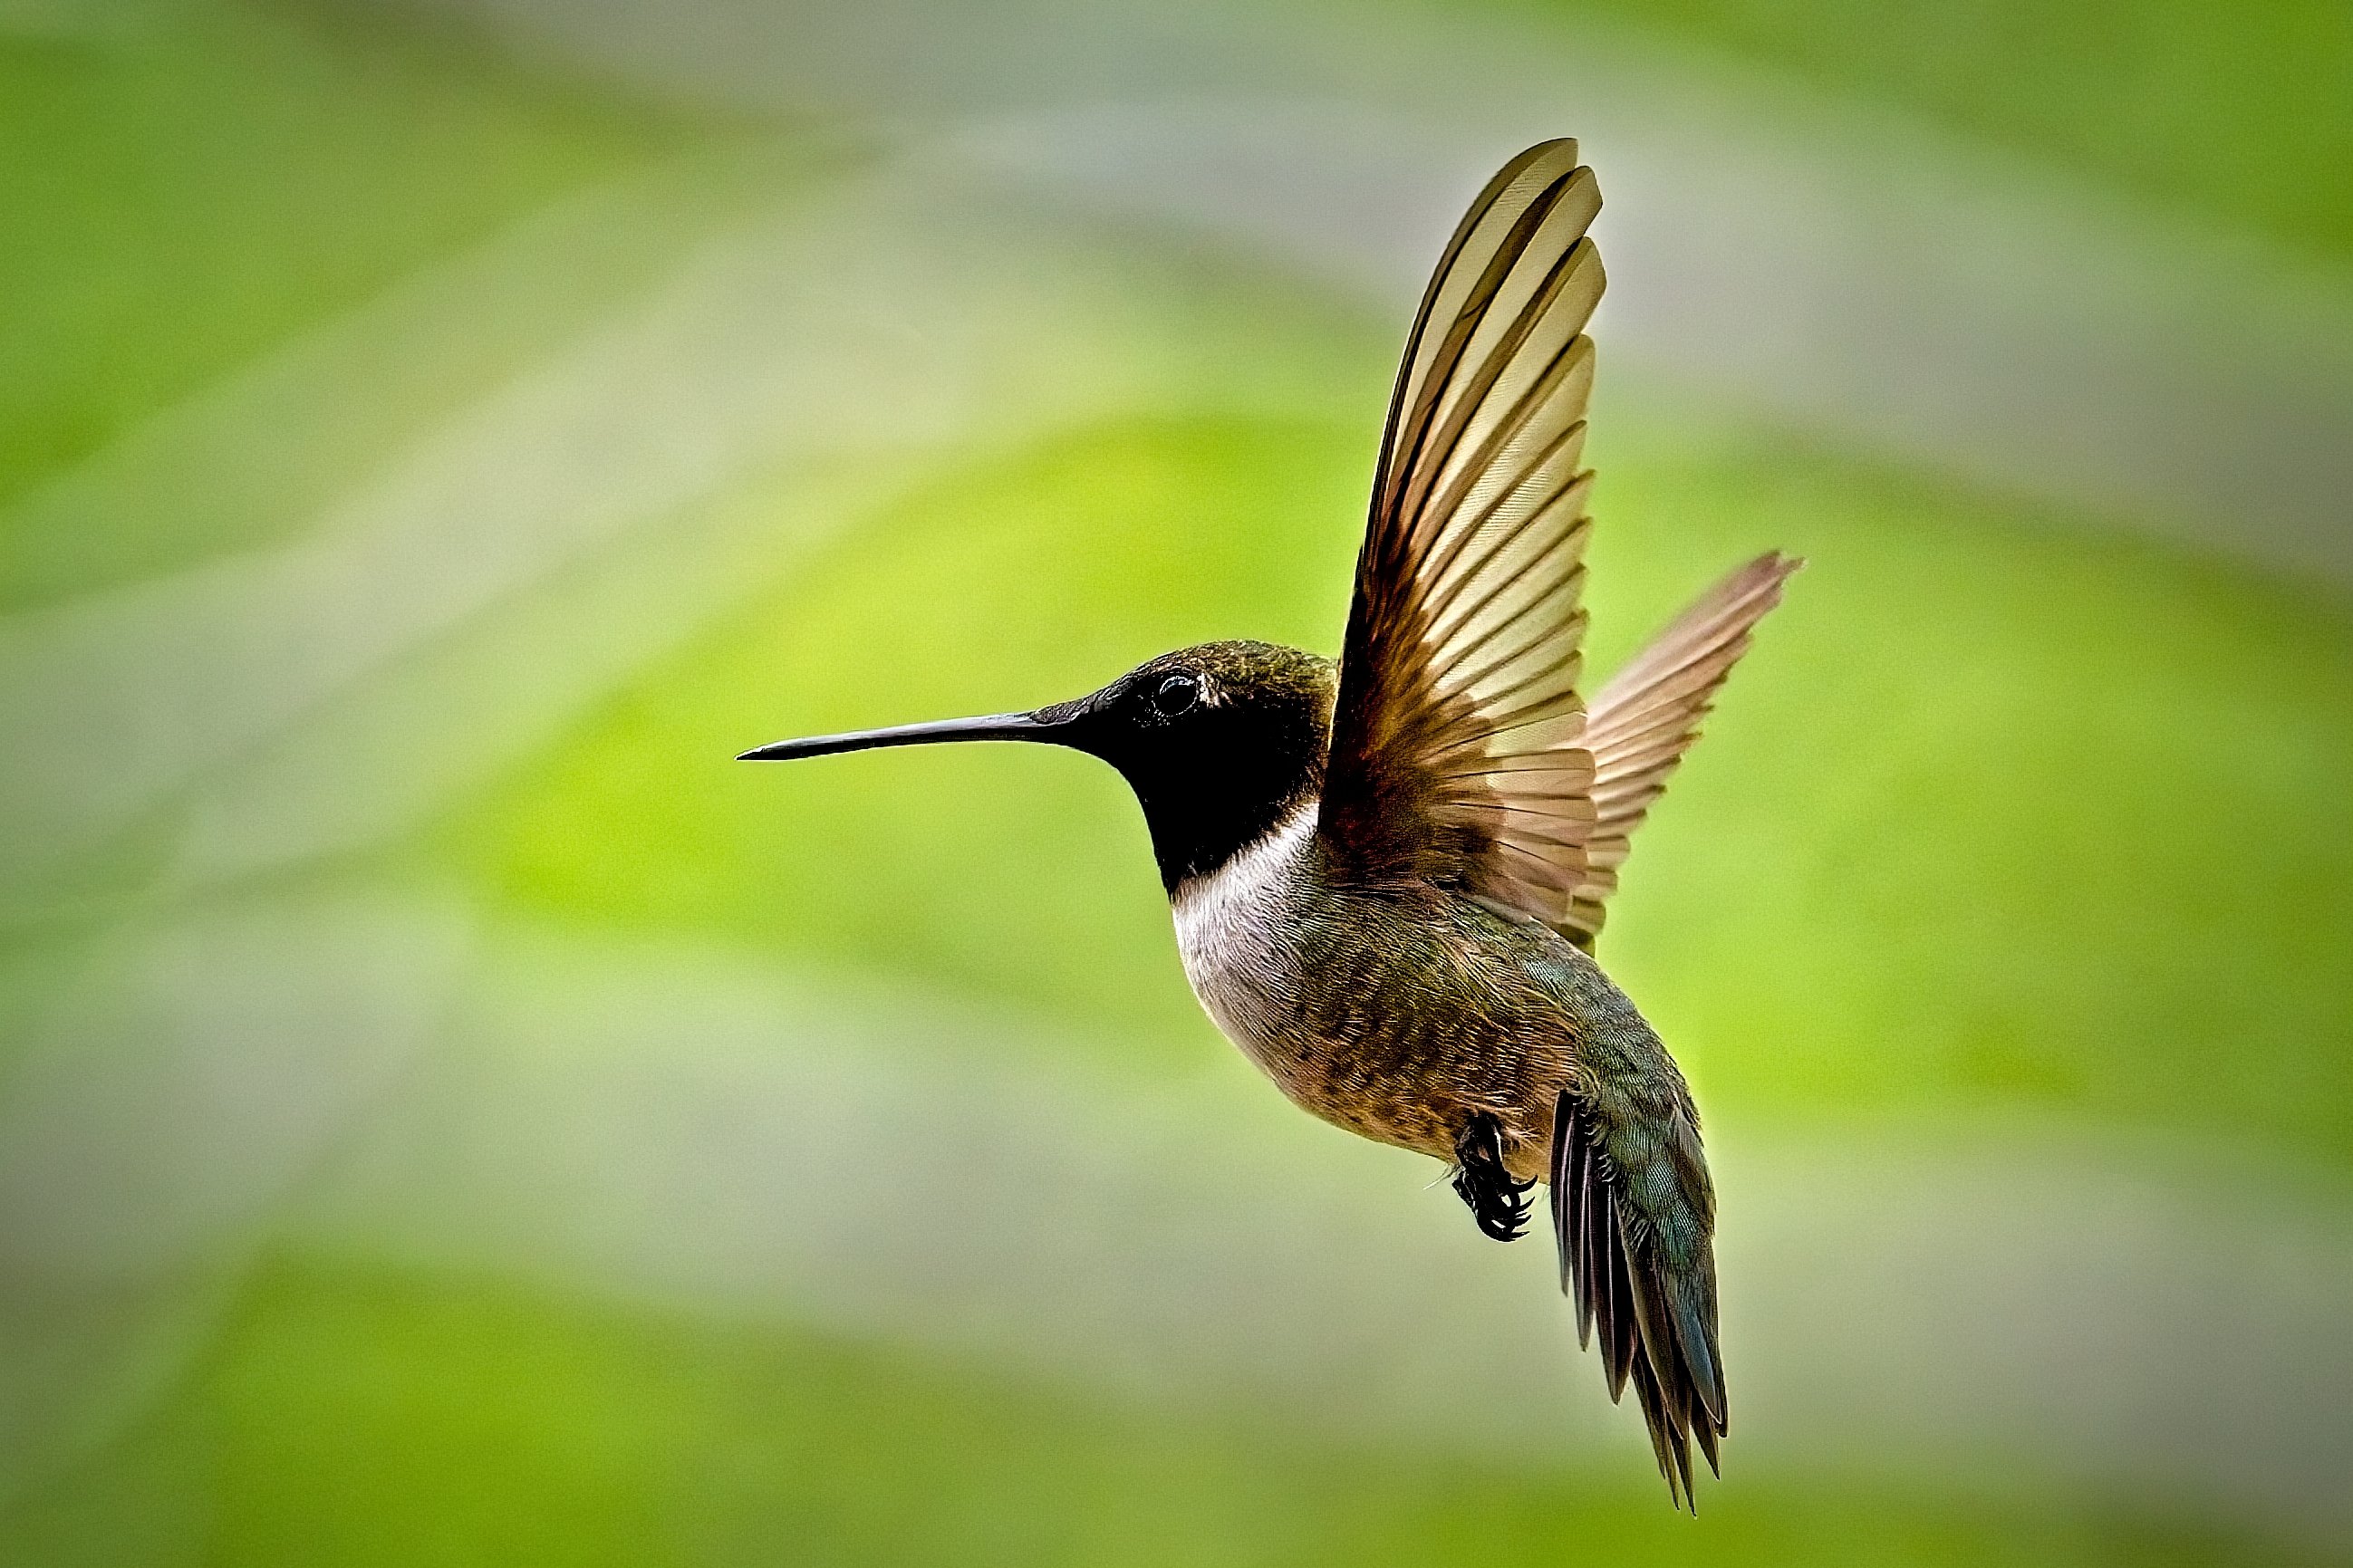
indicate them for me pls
(1175, 694)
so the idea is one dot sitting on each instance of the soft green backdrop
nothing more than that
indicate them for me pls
(2021, 840)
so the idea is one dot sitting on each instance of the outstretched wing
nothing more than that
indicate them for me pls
(1641, 724)
(1455, 753)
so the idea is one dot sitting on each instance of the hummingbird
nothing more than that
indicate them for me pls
(1387, 873)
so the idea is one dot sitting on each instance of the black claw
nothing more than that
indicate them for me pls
(1499, 1203)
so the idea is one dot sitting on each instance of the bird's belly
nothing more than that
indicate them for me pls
(1239, 935)
(1252, 995)
(1236, 933)
(1231, 933)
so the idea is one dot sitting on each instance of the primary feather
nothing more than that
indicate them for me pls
(1454, 750)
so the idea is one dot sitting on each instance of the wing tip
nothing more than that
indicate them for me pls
(1775, 566)
(1555, 150)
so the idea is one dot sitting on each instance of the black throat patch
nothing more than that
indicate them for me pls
(1222, 775)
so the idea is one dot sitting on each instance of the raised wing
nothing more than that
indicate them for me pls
(1455, 753)
(1639, 725)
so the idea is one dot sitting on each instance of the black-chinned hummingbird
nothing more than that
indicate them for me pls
(1387, 874)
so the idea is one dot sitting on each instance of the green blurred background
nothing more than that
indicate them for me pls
(449, 1113)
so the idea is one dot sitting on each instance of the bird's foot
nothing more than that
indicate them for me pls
(1499, 1203)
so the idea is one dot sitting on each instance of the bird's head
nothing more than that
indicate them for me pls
(1221, 741)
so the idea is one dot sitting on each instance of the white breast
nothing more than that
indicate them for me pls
(1232, 927)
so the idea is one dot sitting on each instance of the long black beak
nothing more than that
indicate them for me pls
(995, 727)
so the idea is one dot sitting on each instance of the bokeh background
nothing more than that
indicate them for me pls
(451, 1113)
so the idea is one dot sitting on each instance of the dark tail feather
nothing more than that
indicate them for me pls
(1691, 1300)
(1657, 1324)
(1668, 1439)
